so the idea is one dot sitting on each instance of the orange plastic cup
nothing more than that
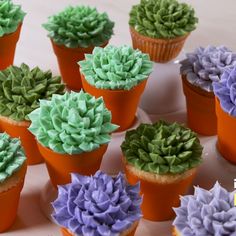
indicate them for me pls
(7, 48)
(122, 103)
(68, 63)
(20, 130)
(60, 166)
(226, 131)
(200, 109)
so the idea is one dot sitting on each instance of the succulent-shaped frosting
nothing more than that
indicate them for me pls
(97, 205)
(208, 213)
(206, 65)
(12, 156)
(162, 148)
(11, 16)
(72, 123)
(79, 26)
(116, 67)
(21, 89)
(162, 18)
(225, 90)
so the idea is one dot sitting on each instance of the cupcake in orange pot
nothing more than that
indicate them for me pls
(11, 18)
(73, 131)
(160, 27)
(97, 205)
(225, 91)
(74, 32)
(199, 70)
(20, 91)
(12, 174)
(163, 157)
(119, 75)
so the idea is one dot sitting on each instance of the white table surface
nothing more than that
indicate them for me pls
(216, 27)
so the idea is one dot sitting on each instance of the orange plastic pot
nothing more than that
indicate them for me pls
(7, 48)
(200, 104)
(60, 166)
(122, 103)
(226, 132)
(68, 63)
(20, 130)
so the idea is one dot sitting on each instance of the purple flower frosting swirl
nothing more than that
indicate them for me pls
(206, 65)
(225, 90)
(207, 213)
(97, 205)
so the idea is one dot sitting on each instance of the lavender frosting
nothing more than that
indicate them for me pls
(206, 65)
(207, 213)
(97, 205)
(225, 90)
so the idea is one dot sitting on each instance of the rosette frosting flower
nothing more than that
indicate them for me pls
(116, 67)
(225, 90)
(208, 213)
(98, 205)
(206, 65)
(79, 26)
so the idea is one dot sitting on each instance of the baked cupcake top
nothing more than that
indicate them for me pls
(206, 212)
(206, 65)
(162, 19)
(21, 89)
(116, 67)
(11, 16)
(162, 148)
(72, 123)
(12, 156)
(97, 205)
(225, 90)
(79, 26)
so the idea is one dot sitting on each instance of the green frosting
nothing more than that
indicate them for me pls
(21, 89)
(10, 17)
(162, 18)
(12, 156)
(72, 123)
(116, 67)
(79, 26)
(162, 148)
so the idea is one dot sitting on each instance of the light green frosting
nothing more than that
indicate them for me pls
(21, 89)
(72, 123)
(162, 148)
(79, 26)
(11, 16)
(12, 156)
(162, 18)
(116, 67)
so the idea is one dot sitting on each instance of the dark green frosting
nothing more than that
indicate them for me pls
(21, 89)
(162, 18)
(79, 26)
(162, 148)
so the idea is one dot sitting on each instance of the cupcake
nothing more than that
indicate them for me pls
(119, 75)
(160, 27)
(73, 131)
(163, 157)
(207, 212)
(12, 173)
(20, 91)
(225, 92)
(97, 205)
(199, 70)
(74, 32)
(11, 18)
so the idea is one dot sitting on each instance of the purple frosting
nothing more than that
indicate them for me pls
(225, 90)
(207, 213)
(97, 205)
(206, 65)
